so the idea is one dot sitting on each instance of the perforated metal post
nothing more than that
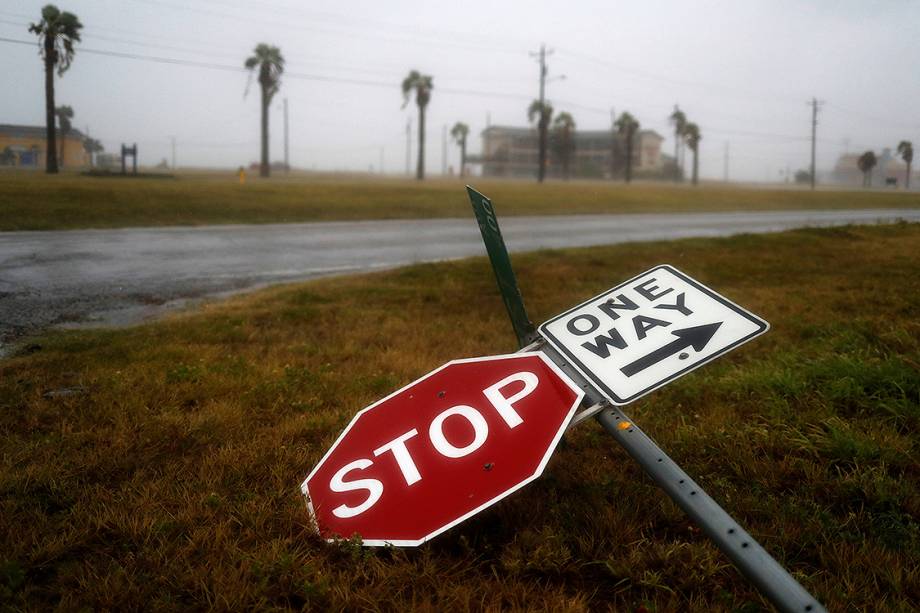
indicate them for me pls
(748, 556)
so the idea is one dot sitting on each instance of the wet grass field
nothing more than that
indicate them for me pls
(158, 466)
(32, 201)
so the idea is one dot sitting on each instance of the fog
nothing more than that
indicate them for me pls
(743, 71)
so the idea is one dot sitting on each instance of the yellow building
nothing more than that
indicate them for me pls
(25, 146)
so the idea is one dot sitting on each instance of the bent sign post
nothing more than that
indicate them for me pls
(632, 359)
(441, 449)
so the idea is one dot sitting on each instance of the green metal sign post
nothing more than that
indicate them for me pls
(501, 264)
(748, 556)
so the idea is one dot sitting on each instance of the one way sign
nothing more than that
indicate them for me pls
(648, 331)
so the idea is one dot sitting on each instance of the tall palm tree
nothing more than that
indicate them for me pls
(92, 147)
(866, 163)
(64, 115)
(693, 138)
(459, 133)
(627, 126)
(57, 32)
(906, 151)
(679, 119)
(542, 113)
(422, 84)
(564, 127)
(270, 63)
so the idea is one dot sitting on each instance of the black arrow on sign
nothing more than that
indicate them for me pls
(696, 337)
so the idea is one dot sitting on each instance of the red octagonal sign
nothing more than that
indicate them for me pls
(441, 449)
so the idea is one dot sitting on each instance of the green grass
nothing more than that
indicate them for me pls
(31, 201)
(172, 482)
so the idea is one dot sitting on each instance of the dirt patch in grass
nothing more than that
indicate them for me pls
(171, 479)
(30, 201)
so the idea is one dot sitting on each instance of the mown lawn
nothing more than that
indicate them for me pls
(168, 478)
(32, 201)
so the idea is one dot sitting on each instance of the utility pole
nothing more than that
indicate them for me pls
(287, 149)
(613, 143)
(542, 125)
(381, 161)
(814, 131)
(726, 162)
(173, 139)
(409, 146)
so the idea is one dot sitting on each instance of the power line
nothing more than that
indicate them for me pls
(290, 75)
(641, 74)
(439, 42)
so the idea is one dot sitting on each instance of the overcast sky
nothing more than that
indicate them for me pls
(744, 71)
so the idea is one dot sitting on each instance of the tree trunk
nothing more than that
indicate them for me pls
(566, 152)
(51, 165)
(541, 169)
(629, 147)
(676, 150)
(463, 157)
(420, 168)
(907, 179)
(264, 168)
(696, 166)
(613, 154)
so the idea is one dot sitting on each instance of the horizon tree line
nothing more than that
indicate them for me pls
(59, 31)
(868, 161)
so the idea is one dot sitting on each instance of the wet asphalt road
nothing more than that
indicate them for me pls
(122, 276)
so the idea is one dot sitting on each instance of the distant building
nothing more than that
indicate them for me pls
(890, 167)
(514, 152)
(25, 146)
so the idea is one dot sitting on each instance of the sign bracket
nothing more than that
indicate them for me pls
(748, 556)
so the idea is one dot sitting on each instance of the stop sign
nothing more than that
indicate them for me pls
(441, 449)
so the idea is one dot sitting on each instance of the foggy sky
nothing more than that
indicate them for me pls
(743, 71)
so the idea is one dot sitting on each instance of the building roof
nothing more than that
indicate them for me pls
(524, 131)
(14, 131)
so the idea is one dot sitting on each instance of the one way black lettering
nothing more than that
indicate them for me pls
(680, 305)
(602, 344)
(609, 307)
(643, 324)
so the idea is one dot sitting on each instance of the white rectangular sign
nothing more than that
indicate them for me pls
(648, 331)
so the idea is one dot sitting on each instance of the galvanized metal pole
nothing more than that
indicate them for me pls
(773, 581)
(745, 552)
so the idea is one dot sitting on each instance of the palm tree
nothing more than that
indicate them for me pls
(64, 115)
(543, 113)
(57, 32)
(422, 84)
(92, 147)
(693, 138)
(627, 126)
(866, 163)
(459, 133)
(563, 127)
(679, 119)
(906, 151)
(270, 63)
